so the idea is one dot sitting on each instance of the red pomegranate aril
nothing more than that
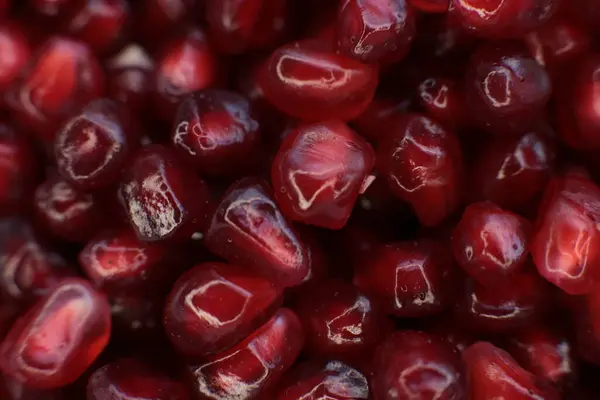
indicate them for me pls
(444, 101)
(566, 245)
(491, 244)
(410, 279)
(319, 171)
(249, 230)
(370, 30)
(314, 84)
(18, 170)
(118, 262)
(557, 43)
(29, 269)
(62, 76)
(375, 120)
(130, 86)
(512, 172)
(213, 306)
(102, 24)
(340, 322)
(577, 112)
(545, 354)
(162, 198)
(431, 6)
(185, 64)
(331, 380)
(67, 212)
(216, 131)
(238, 26)
(416, 365)
(130, 379)
(504, 308)
(11, 389)
(15, 52)
(506, 89)
(253, 365)
(503, 18)
(58, 339)
(93, 146)
(422, 163)
(493, 374)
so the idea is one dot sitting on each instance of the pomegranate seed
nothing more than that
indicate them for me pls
(11, 389)
(213, 306)
(54, 343)
(252, 365)
(374, 121)
(422, 162)
(130, 379)
(418, 365)
(503, 19)
(216, 131)
(315, 84)
(370, 30)
(493, 373)
(93, 146)
(238, 26)
(185, 64)
(546, 354)
(66, 212)
(443, 100)
(161, 197)
(248, 229)
(117, 262)
(340, 322)
(29, 269)
(490, 244)
(15, 52)
(333, 380)
(511, 172)
(61, 77)
(503, 308)
(130, 86)
(566, 246)
(410, 279)
(319, 171)
(431, 6)
(576, 110)
(506, 89)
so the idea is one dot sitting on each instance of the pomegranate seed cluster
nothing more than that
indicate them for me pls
(299, 200)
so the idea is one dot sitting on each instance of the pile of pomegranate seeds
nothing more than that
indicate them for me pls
(299, 199)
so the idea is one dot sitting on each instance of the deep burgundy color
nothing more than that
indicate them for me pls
(162, 198)
(503, 18)
(213, 306)
(506, 88)
(331, 380)
(238, 26)
(15, 52)
(217, 132)
(340, 322)
(62, 76)
(566, 245)
(118, 262)
(67, 212)
(319, 171)
(311, 83)
(55, 342)
(493, 373)
(443, 100)
(251, 366)
(129, 379)
(410, 279)
(371, 30)
(184, 64)
(422, 162)
(94, 145)
(503, 308)
(411, 364)
(511, 172)
(491, 244)
(248, 229)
